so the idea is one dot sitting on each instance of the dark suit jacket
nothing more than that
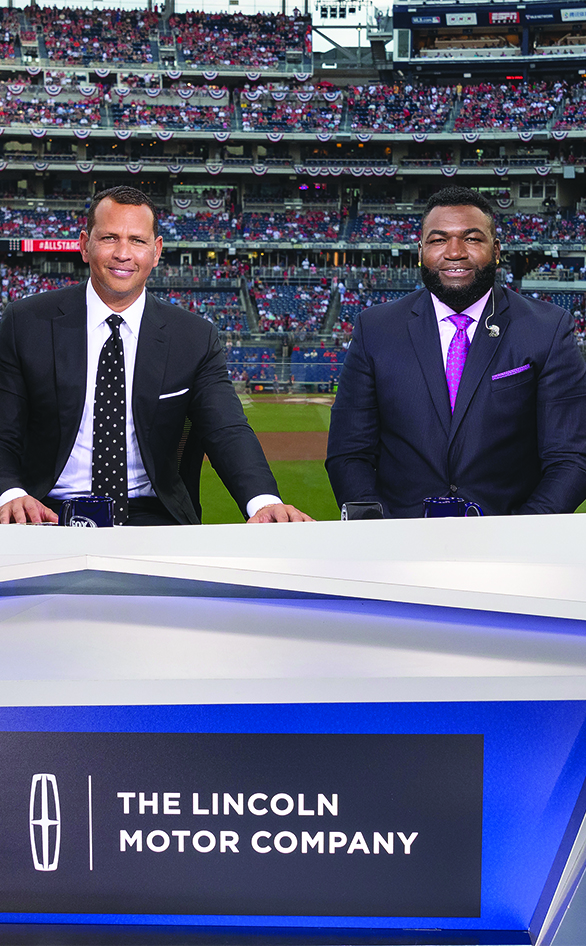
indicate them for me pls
(515, 444)
(43, 358)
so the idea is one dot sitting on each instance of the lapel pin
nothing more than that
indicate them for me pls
(494, 331)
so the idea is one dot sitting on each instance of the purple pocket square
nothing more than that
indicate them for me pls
(507, 374)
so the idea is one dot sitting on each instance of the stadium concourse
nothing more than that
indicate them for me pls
(290, 181)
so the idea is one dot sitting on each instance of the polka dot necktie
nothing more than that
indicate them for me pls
(457, 353)
(109, 475)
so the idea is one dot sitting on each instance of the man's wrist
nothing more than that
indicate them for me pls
(9, 494)
(257, 502)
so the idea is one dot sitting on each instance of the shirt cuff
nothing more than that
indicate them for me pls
(257, 502)
(11, 494)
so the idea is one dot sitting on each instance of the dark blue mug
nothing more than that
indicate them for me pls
(87, 512)
(437, 507)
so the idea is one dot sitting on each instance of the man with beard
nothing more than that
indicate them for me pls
(463, 388)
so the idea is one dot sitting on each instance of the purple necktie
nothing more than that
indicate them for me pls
(457, 354)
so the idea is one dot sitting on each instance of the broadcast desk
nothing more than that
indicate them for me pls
(427, 672)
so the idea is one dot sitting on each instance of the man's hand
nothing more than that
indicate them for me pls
(26, 509)
(279, 512)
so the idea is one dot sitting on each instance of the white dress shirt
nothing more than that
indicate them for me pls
(76, 478)
(447, 329)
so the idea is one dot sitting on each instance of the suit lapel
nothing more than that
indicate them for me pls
(426, 342)
(482, 351)
(149, 370)
(69, 325)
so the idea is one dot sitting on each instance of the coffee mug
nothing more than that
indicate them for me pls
(436, 507)
(87, 512)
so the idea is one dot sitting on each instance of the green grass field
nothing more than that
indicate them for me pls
(303, 483)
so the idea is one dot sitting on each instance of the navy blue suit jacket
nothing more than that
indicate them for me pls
(43, 358)
(515, 444)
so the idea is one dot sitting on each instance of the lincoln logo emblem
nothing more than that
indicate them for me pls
(45, 822)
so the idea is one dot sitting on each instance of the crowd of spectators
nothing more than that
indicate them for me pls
(305, 108)
(9, 28)
(42, 110)
(402, 107)
(353, 301)
(220, 39)
(223, 309)
(574, 113)
(199, 225)
(386, 228)
(42, 224)
(84, 36)
(283, 308)
(20, 281)
(293, 226)
(509, 106)
(184, 117)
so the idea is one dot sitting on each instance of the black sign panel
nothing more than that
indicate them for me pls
(241, 824)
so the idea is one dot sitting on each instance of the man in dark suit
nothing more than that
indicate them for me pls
(52, 351)
(463, 388)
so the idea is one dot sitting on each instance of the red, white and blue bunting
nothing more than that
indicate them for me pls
(174, 73)
(323, 135)
(164, 135)
(305, 96)
(258, 169)
(299, 168)
(275, 136)
(332, 96)
(420, 137)
(49, 89)
(210, 75)
(253, 76)
(3, 165)
(559, 135)
(38, 132)
(185, 93)
(2, 130)
(251, 94)
(526, 135)
(82, 132)
(215, 168)
(278, 96)
(134, 167)
(174, 168)
(363, 138)
(33, 70)
(214, 203)
(122, 92)
(222, 135)
(40, 165)
(335, 172)
(449, 170)
(182, 202)
(313, 171)
(543, 170)
(379, 172)
(302, 76)
(504, 202)
(102, 73)
(87, 89)
(85, 166)
(500, 172)
(356, 172)
(153, 92)
(471, 136)
(123, 133)
(368, 172)
(217, 93)
(16, 88)
(391, 170)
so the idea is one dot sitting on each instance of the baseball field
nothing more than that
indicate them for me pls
(293, 432)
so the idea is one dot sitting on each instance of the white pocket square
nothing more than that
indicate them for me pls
(173, 394)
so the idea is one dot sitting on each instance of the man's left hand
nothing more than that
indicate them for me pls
(279, 512)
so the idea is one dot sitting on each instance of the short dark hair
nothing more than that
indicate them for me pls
(459, 197)
(122, 195)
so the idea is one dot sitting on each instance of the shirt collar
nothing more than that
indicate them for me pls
(98, 311)
(442, 311)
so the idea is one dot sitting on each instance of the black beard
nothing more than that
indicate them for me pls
(459, 298)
